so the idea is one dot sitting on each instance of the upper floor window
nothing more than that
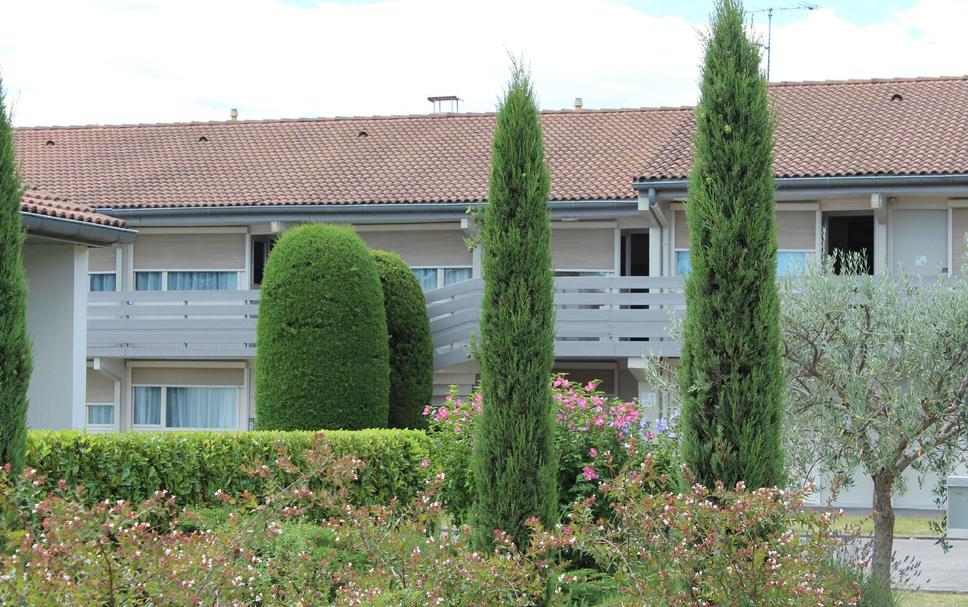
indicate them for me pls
(103, 281)
(261, 247)
(191, 280)
(435, 278)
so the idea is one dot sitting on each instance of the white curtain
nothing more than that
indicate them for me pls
(201, 408)
(147, 281)
(103, 282)
(427, 277)
(147, 406)
(100, 415)
(455, 275)
(202, 281)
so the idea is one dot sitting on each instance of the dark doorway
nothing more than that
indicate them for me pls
(635, 254)
(853, 234)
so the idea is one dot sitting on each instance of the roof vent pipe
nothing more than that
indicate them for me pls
(234, 115)
(578, 104)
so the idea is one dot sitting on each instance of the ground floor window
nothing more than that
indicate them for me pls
(100, 414)
(195, 407)
(186, 280)
(435, 278)
(103, 281)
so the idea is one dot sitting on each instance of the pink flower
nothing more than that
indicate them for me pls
(426, 410)
(593, 453)
(589, 473)
(590, 387)
(649, 436)
(425, 463)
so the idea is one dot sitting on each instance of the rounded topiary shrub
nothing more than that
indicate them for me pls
(322, 358)
(411, 351)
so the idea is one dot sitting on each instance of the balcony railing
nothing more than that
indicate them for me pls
(596, 317)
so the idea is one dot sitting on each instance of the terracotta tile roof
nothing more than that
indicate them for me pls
(592, 154)
(824, 129)
(36, 202)
(914, 126)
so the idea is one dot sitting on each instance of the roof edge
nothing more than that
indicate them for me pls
(81, 232)
(883, 183)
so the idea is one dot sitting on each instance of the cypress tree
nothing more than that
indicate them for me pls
(731, 370)
(322, 361)
(411, 349)
(15, 358)
(514, 461)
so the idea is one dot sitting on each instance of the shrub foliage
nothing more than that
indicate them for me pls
(194, 465)
(514, 458)
(322, 357)
(411, 350)
(15, 359)
(731, 373)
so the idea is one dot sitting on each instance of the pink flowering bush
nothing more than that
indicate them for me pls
(595, 436)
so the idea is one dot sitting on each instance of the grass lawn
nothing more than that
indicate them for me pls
(904, 526)
(932, 599)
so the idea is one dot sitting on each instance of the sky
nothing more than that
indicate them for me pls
(138, 61)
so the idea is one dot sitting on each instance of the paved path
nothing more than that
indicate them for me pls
(939, 571)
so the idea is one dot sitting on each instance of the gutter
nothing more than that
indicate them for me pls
(71, 230)
(354, 213)
(956, 184)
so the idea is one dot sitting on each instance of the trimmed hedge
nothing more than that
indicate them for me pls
(322, 360)
(194, 465)
(411, 349)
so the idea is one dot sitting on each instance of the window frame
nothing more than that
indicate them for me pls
(164, 409)
(239, 275)
(99, 273)
(440, 272)
(100, 427)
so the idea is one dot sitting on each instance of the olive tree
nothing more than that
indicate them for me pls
(877, 376)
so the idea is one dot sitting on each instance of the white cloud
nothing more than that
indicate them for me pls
(111, 61)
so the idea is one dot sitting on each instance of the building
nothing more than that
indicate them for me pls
(881, 165)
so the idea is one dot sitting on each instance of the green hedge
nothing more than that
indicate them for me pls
(194, 465)
(411, 349)
(322, 360)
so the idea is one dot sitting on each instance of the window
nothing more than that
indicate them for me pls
(435, 278)
(193, 407)
(103, 281)
(788, 263)
(190, 280)
(100, 414)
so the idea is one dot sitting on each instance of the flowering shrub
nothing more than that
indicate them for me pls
(710, 547)
(595, 436)
(657, 549)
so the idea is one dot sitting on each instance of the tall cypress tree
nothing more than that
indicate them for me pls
(514, 461)
(15, 359)
(731, 374)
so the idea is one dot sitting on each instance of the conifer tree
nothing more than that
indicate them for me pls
(731, 368)
(15, 357)
(514, 461)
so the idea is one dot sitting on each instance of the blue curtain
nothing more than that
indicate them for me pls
(103, 282)
(202, 281)
(455, 275)
(683, 264)
(147, 281)
(790, 263)
(147, 406)
(100, 415)
(201, 408)
(427, 277)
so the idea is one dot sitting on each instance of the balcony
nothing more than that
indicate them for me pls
(596, 317)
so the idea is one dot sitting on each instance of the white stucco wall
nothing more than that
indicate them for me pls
(57, 321)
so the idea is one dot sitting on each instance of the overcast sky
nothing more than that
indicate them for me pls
(123, 61)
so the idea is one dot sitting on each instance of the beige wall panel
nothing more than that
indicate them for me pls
(959, 229)
(186, 376)
(189, 252)
(100, 389)
(796, 229)
(583, 249)
(682, 231)
(102, 259)
(423, 247)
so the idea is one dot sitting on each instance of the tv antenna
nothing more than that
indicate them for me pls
(800, 6)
